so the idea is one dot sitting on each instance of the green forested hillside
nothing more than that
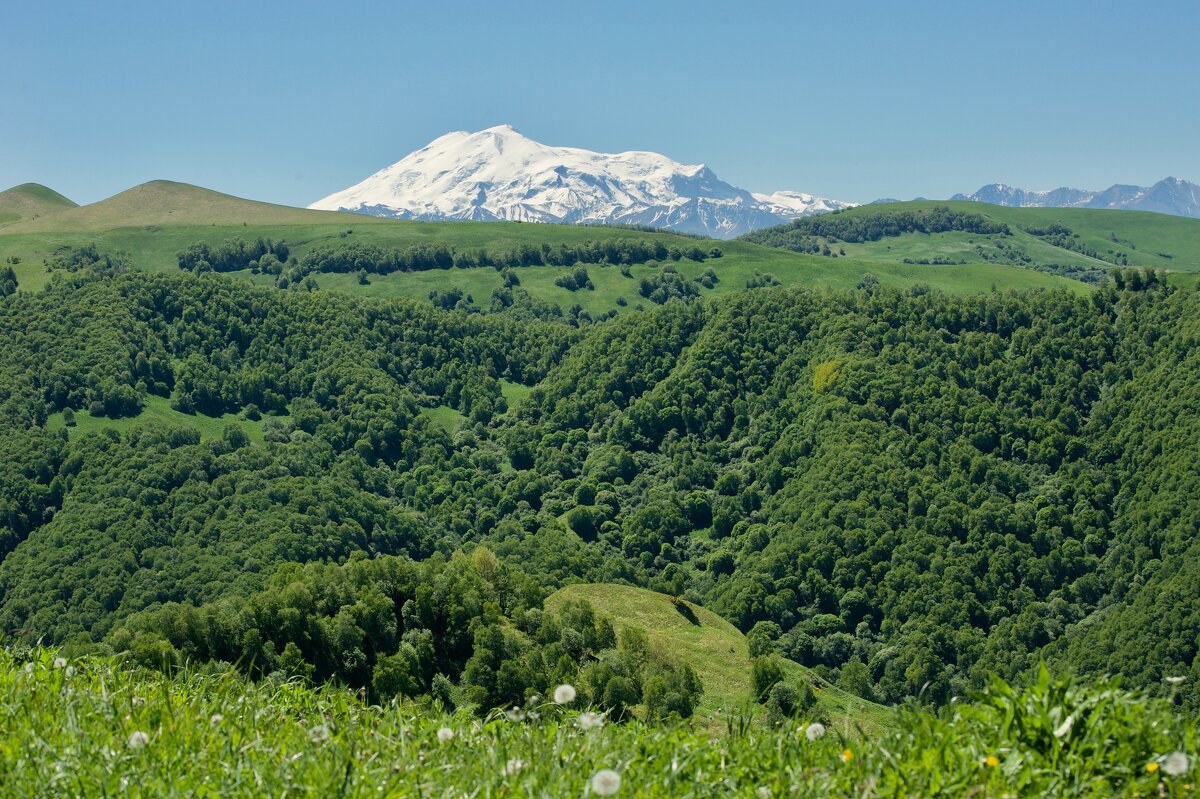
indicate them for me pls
(904, 491)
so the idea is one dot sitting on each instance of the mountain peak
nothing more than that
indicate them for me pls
(1167, 196)
(499, 174)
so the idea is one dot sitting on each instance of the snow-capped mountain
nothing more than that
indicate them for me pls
(1169, 196)
(500, 174)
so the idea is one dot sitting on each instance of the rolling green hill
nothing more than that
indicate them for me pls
(29, 202)
(155, 221)
(715, 649)
(1082, 243)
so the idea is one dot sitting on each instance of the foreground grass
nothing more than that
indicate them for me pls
(91, 728)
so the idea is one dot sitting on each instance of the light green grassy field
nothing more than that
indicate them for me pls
(717, 650)
(158, 410)
(444, 416)
(155, 221)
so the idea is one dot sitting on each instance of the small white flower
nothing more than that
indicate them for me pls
(1176, 764)
(564, 694)
(1065, 727)
(216, 719)
(138, 739)
(606, 782)
(590, 721)
(60, 663)
(513, 766)
(1175, 680)
(815, 731)
(445, 734)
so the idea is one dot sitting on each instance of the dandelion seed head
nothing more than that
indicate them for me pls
(564, 694)
(445, 734)
(1176, 764)
(60, 663)
(763, 792)
(320, 734)
(216, 719)
(1063, 729)
(513, 766)
(606, 782)
(590, 721)
(138, 740)
(815, 731)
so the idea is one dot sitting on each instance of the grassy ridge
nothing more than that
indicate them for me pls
(89, 727)
(153, 222)
(716, 649)
(1139, 238)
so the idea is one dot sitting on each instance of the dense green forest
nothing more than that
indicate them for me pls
(903, 490)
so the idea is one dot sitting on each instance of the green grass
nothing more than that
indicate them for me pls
(159, 410)
(89, 727)
(718, 652)
(1146, 239)
(514, 393)
(153, 222)
(444, 416)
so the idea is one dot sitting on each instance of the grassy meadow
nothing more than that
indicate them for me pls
(92, 727)
(155, 221)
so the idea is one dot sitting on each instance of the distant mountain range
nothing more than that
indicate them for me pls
(500, 174)
(1169, 196)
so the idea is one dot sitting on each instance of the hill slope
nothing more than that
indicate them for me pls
(30, 201)
(1076, 242)
(715, 648)
(155, 221)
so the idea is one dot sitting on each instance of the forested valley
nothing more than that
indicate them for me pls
(903, 490)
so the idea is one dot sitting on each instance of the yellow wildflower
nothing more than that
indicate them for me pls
(1152, 767)
(847, 755)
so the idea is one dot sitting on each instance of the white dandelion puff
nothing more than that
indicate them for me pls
(763, 792)
(590, 721)
(60, 663)
(445, 735)
(138, 739)
(216, 720)
(320, 734)
(513, 766)
(1064, 728)
(564, 694)
(606, 782)
(1176, 764)
(515, 714)
(815, 731)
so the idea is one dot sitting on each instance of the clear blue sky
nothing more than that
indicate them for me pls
(289, 101)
